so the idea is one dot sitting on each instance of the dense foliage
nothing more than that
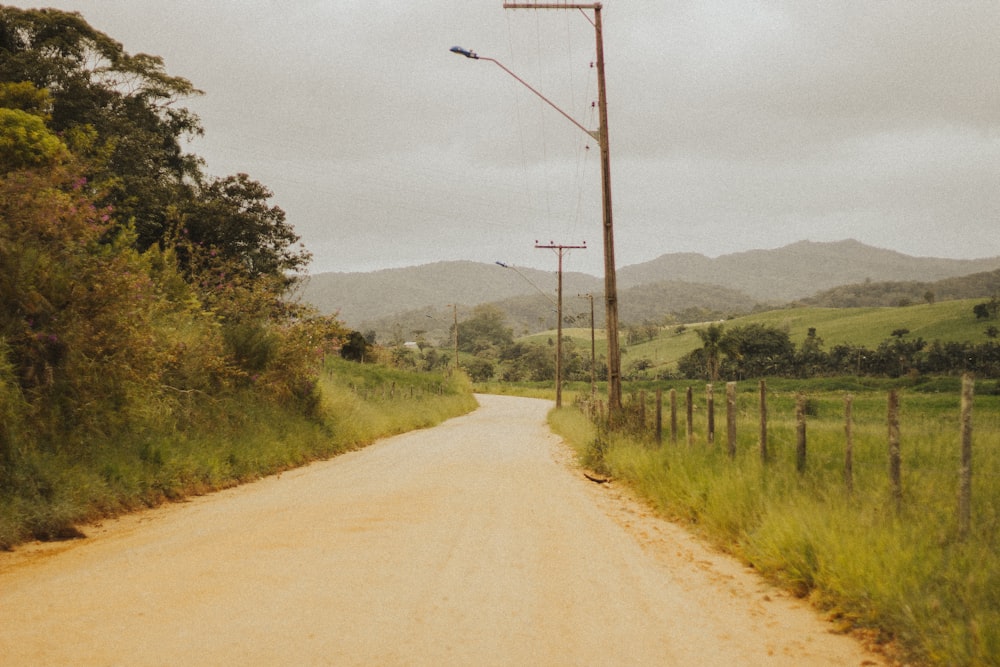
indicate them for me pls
(758, 350)
(136, 294)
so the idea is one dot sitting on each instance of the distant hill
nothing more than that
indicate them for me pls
(801, 269)
(868, 294)
(530, 313)
(674, 283)
(362, 297)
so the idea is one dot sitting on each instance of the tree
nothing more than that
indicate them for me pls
(232, 216)
(355, 348)
(757, 350)
(810, 358)
(25, 142)
(712, 346)
(118, 111)
(987, 310)
(484, 330)
(479, 369)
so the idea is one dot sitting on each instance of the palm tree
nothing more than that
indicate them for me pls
(712, 343)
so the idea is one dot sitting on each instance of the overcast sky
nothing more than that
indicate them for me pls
(733, 124)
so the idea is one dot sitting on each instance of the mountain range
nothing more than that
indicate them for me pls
(421, 297)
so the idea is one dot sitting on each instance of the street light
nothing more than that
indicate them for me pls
(601, 135)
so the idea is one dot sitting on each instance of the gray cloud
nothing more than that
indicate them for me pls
(733, 124)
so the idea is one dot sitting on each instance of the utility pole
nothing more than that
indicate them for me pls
(610, 280)
(560, 251)
(593, 349)
(454, 310)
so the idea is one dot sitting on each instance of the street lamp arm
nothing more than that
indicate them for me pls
(594, 134)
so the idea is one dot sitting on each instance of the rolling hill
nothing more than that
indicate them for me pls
(411, 299)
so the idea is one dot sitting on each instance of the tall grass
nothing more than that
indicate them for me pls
(904, 572)
(202, 444)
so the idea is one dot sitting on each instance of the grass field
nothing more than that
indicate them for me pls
(905, 572)
(946, 321)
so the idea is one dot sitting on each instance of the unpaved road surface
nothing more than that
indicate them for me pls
(474, 543)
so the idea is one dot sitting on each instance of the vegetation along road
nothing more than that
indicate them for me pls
(475, 542)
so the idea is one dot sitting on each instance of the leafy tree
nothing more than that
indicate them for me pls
(355, 348)
(120, 113)
(26, 142)
(479, 369)
(810, 360)
(757, 350)
(232, 217)
(693, 364)
(987, 310)
(895, 357)
(485, 329)
(117, 110)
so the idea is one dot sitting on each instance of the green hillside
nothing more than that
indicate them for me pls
(947, 321)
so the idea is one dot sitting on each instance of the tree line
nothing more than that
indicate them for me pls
(134, 287)
(758, 350)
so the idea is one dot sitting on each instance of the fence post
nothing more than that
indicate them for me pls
(642, 411)
(849, 446)
(763, 421)
(800, 432)
(673, 416)
(690, 417)
(895, 482)
(659, 416)
(965, 472)
(710, 412)
(731, 418)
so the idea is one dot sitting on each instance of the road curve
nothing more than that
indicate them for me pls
(473, 543)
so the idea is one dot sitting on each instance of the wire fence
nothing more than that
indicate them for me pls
(684, 419)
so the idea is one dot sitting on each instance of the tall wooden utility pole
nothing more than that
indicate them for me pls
(610, 281)
(560, 251)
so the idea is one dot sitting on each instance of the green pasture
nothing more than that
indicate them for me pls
(899, 570)
(946, 321)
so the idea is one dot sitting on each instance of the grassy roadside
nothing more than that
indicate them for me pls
(904, 574)
(219, 443)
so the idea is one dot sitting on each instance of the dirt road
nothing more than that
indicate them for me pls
(474, 543)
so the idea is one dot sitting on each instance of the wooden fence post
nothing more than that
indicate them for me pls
(800, 433)
(642, 411)
(690, 417)
(895, 482)
(659, 416)
(763, 421)
(710, 412)
(673, 416)
(849, 446)
(965, 472)
(731, 418)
